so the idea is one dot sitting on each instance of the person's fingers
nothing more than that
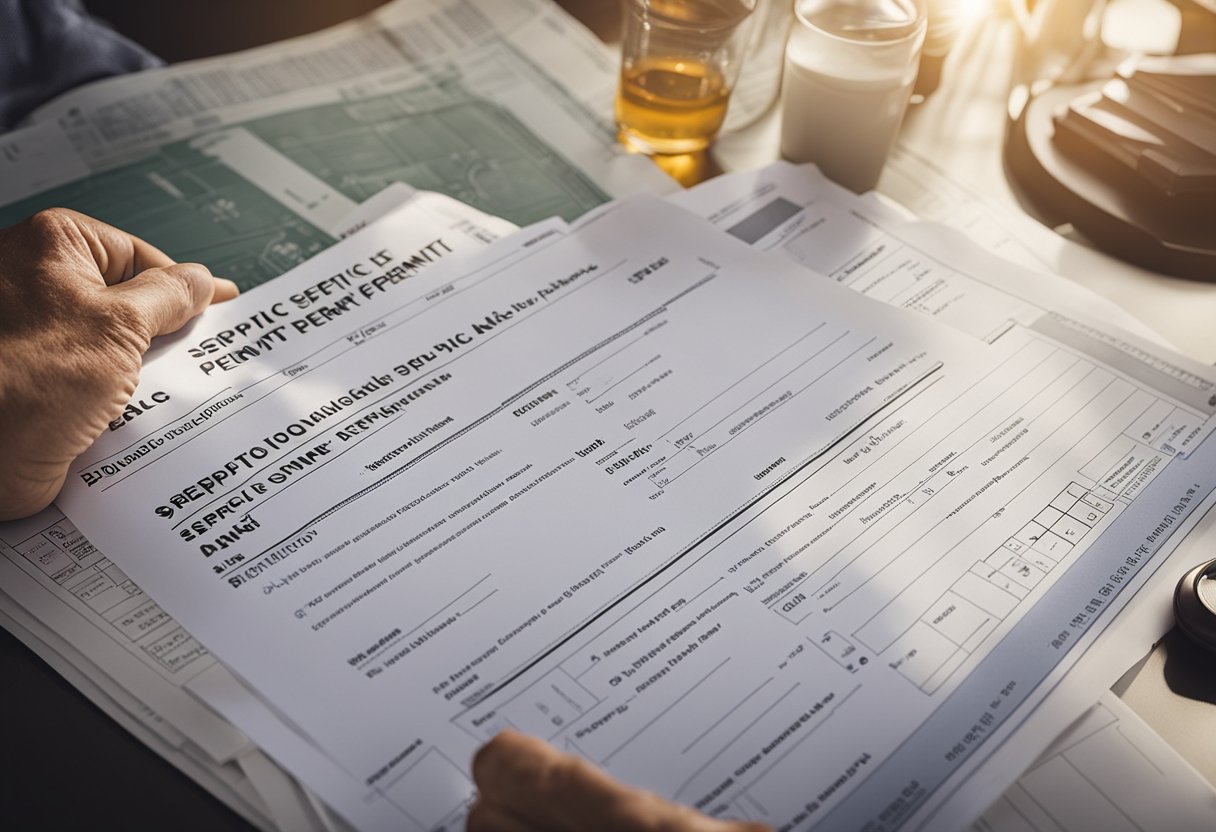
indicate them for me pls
(160, 301)
(121, 256)
(118, 255)
(486, 817)
(101, 253)
(225, 289)
(557, 792)
(513, 767)
(24, 496)
(529, 778)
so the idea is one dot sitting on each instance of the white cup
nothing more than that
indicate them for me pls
(849, 70)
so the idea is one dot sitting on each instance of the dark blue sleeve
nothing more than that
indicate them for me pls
(50, 46)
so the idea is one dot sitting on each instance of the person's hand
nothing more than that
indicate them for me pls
(80, 302)
(526, 785)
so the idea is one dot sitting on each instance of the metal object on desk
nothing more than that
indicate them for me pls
(1130, 162)
(1195, 604)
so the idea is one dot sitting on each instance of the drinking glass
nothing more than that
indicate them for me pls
(679, 63)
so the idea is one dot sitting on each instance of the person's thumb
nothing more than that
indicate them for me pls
(162, 300)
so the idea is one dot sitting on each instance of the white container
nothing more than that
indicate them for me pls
(849, 70)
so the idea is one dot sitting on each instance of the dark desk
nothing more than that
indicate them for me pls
(55, 735)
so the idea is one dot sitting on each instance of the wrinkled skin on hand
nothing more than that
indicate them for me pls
(80, 302)
(526, 785)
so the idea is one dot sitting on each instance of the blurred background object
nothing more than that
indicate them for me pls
(1123, 149)
(760, 78)
(178, 31)
(947, 19)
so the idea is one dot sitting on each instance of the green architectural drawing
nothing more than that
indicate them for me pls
(193, 208)
(436, 137)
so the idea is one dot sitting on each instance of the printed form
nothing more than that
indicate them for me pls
(78, 610)
(409, 524)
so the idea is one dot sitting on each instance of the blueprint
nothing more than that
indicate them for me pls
(194, 208)
(247, 162)
(439, 138)
(200, 205)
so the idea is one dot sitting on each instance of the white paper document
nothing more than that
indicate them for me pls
(919, 185)
(1109, 771)
(863, 243)
(753, 541)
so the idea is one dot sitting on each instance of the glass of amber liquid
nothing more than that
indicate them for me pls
(679, 61)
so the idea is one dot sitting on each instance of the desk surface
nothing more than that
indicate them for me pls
(960, 127)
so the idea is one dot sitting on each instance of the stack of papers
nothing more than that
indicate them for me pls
(1109, 770)
(252, 163)
(936, 499)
